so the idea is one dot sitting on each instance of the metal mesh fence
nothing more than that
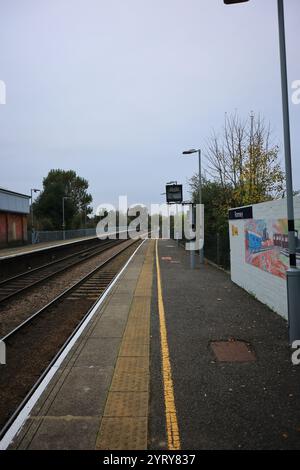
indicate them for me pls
(42, 236)
(217, 249)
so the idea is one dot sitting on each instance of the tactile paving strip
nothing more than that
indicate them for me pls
(126, 404)
(124, 382)
(139, 329)
(132, 365)
(123, 433)
(134, 348)
(125, 422)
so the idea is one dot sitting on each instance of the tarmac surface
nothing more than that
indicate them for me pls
(246, 403)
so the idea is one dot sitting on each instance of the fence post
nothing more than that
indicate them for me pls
(218, 248)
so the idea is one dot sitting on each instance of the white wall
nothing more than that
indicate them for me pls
(266, 287)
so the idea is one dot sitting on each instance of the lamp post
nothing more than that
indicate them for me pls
(293, 274)
(190, 152)
(63, 216)
(85, 218)
(32, 190)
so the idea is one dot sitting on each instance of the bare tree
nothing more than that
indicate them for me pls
(243, 159)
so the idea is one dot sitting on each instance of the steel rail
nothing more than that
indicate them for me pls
(90, 252)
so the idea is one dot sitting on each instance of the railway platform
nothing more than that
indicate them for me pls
(171, 358)
(12, 252)
(27, 249)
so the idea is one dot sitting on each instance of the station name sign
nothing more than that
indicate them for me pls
(241, 213)
(174, 193)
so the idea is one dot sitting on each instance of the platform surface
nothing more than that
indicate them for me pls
(175, 358)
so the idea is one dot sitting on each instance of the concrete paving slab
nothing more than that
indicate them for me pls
(120, 299)
(83, 392)
(118, 311)
(133, 274)
(126, 286)
(100, 352)
(66, 433)
(110, 327)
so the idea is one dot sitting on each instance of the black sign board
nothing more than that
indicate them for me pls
(241, 213)
(174, 193)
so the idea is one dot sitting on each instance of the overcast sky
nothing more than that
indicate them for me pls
(116, 89)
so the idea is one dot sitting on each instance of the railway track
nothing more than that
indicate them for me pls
(20, 283)
(33, 346)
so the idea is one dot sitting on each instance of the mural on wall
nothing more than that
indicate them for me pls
(266, 245)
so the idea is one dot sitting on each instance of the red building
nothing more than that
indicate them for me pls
(14, 210)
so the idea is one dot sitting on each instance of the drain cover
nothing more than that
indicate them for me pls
(232, 351)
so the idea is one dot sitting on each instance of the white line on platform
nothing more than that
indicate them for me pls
(18, 423)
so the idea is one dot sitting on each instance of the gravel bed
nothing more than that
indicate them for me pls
(17, 310)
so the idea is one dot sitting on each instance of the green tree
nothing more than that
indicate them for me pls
(48, 206)
(215, 199)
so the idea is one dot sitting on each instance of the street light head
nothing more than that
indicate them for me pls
(189, 152)
(232, 2)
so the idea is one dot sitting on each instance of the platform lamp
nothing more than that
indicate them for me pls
(85, 218)
(32, 190)
(293, 273)
(190, 152)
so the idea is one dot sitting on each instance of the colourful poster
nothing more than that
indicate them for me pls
(266, 245)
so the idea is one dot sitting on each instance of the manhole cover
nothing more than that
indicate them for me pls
(232, 351)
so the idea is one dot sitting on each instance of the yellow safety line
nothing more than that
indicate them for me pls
(170, 407)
